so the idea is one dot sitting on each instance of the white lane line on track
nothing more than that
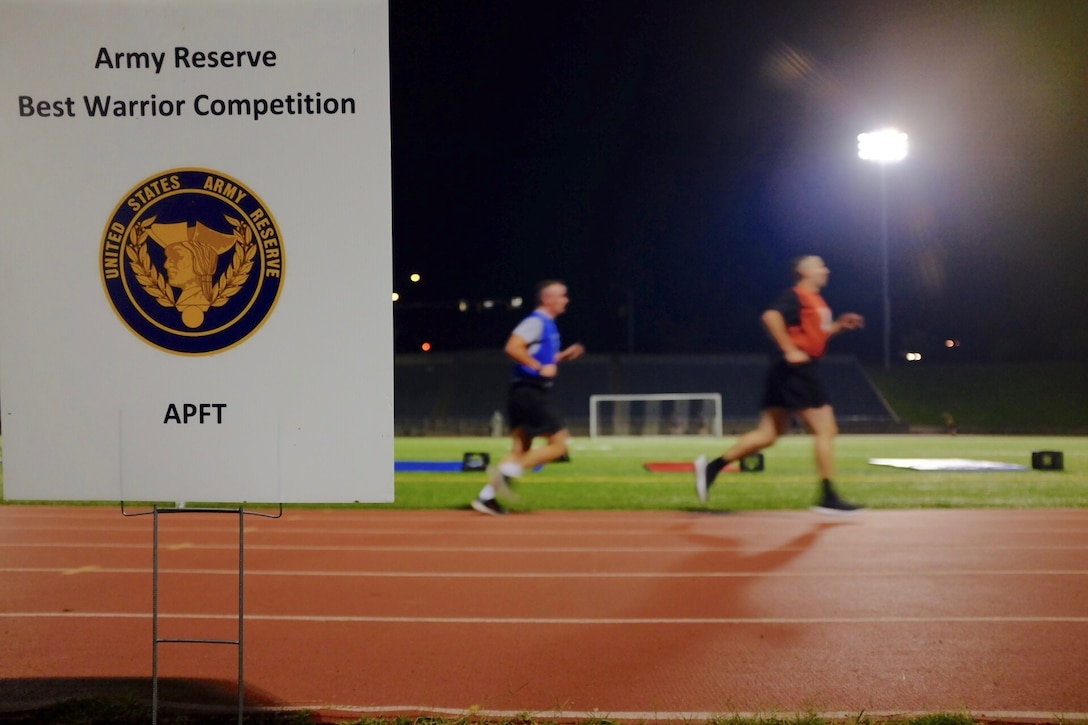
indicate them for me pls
(495, 621)
(685, 716)
(813, 573)
(646, 528)
(521, 550)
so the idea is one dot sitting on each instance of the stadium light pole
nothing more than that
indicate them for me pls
(885, 146)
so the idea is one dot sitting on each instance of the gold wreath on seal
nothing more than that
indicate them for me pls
(192, 256)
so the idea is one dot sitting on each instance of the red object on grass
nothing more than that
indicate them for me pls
(680, 467)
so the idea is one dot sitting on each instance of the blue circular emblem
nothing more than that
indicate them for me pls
(192, 261)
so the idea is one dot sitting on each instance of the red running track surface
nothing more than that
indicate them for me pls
(665, 615)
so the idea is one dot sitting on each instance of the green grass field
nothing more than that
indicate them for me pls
(608, 474)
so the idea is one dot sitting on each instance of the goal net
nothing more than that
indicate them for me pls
(655, 414)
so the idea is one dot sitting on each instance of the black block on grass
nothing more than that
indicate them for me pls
(751, 463)
(1047, 461)
(475, 461)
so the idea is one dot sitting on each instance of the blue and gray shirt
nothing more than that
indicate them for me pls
(542, 334)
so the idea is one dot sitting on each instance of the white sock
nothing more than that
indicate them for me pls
(511, 469)
(487, 492)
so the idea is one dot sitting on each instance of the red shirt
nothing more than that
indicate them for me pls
(808, 319)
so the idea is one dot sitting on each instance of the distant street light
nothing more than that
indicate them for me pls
(884, 147)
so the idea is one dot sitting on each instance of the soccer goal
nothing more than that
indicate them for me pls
(655, 414)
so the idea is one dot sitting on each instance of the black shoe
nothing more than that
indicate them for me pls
(835, 506)
(489, 506)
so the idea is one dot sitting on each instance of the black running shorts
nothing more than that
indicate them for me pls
(793, 387)
(530, 408)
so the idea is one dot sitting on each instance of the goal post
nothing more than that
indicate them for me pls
(655, 414)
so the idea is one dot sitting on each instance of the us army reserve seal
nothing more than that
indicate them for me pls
(192, 261)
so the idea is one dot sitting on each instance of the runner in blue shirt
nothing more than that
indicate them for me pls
(536, 350)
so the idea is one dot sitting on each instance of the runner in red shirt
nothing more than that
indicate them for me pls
(800, 323)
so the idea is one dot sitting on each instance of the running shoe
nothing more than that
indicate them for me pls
(489, 506)
(833, 505)
(501, 482)
(700, 478)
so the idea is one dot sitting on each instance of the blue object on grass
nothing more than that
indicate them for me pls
(428, 466)
(435, 467)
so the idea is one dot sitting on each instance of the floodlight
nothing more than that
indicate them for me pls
(885, 146)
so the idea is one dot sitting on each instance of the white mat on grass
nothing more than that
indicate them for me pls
(946, 464)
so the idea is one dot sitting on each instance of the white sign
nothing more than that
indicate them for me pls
(196, 251)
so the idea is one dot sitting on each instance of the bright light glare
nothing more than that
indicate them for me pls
(516, 302)
(396, 296)
(914, 356)
(414, 277)
(426, 347)
(886, 145)
(463, 306)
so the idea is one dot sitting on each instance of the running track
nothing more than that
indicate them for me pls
(674, 615)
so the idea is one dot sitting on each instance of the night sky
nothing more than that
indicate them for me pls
(667, 158)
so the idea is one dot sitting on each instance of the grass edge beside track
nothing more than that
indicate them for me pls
(105, 710)
(608, 474)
